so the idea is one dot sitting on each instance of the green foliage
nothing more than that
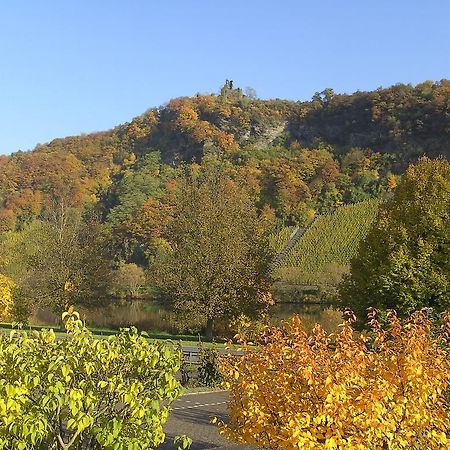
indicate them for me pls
(182, 442)
(219, 262)
(17, 249)
(403, 119)
(208, 370)
(298, 158)
(404, 262)
(278, 239)
(136, 184)
(328, 246)
(65, 259)
(145, 179)
(111, 393)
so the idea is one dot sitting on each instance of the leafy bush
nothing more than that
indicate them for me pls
(129, 280)
(208, 369)
(6, 297)
(341, 391)
(79, 392)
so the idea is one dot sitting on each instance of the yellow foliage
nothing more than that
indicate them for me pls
(187, 117)
(391, 182)
(6, 297)
(342, 391)
(68, 286)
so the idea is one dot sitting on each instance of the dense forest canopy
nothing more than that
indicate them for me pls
(297, 158)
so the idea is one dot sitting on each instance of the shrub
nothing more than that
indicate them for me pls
(6, 297)
(129, 280)
(343, 391)
(208, 369)
(79, 392)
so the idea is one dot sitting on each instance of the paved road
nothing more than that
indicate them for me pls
(191, 415)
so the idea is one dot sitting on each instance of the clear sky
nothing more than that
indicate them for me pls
(72, 66)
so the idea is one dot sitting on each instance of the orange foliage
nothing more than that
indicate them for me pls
(25, 202)
(343, 391)
(202, 131)
(330, 171)
(226, 141)
(7, 220)
(206, 102)
(187, 117)
(150, 219)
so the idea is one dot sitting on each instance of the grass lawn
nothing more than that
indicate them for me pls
(186, 340)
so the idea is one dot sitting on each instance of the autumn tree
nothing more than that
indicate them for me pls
(218, 264)
(135, 209)
(129, 279)
(404, 262)
(61, 260)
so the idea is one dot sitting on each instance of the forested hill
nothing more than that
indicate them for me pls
(296, 156)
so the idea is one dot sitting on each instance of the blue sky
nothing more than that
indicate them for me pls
(73, 66)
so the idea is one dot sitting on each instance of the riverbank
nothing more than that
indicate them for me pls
(160, 323)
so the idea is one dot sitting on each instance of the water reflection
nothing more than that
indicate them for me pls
(325, 315)
(153, 316)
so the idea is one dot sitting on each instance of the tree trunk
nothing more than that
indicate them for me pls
(209, 328)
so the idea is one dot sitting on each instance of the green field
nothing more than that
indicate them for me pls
(323, 254)
(184, 339)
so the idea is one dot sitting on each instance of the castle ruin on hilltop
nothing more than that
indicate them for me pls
(227, 91)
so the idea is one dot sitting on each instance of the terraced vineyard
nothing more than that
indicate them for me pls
(278, 240)
(323, 254)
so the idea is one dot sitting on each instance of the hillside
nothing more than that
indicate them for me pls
(297, 158)
(323, 254)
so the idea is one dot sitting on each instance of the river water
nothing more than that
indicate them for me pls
(155, 317)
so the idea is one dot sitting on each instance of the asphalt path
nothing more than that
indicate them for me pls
(191, 415)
